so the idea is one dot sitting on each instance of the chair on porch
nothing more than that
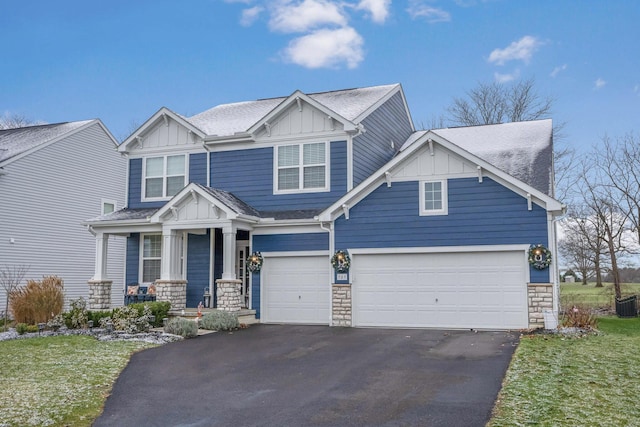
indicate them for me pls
(137, 293)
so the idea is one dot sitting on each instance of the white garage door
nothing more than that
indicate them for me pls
(296, 290)
(485, 290)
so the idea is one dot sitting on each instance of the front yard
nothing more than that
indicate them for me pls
(59, 380)
(562, 381)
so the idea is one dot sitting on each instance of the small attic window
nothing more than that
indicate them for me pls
(433, 197)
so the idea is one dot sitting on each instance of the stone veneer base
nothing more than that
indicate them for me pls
(228, 295)
(174, 291)
(99, 294)
(341, 304)
(539, 298)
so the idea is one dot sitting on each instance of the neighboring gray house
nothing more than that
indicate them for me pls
(52, 177)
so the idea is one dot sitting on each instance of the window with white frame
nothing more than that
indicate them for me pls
(108, 206)
(301, 167)
(433, 197)
(164, 176)
(151, 257)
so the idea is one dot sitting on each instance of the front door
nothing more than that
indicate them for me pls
(242, 252)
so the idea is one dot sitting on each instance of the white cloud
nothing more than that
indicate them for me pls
(379, 9)
(250, 15)
(599, 83)
(519, 50)
(326, 48)
(557, 70)
(289, 17)
(504, 78)
(418, 9)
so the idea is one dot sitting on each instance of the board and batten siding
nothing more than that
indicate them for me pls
(371, 150)
(288, 242)
(46, 196)
(485, 213)
(248, 174)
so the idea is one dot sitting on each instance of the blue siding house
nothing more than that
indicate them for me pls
(330, 208)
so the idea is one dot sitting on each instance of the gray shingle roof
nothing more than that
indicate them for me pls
(14, 142)
(231, 201)
(229, 119)
(125, 214)
(524, 150)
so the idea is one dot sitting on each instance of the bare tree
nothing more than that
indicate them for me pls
(10, 279)
(12, 121)
(493, 103)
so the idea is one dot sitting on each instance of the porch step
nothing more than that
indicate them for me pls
(245, 316)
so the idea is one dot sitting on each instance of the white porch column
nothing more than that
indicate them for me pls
(102, 249)
(170, 263)
(229, 253)
(99, 284)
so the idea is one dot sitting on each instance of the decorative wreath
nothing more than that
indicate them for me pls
(539, 257)
(341, 261)
(254, 262)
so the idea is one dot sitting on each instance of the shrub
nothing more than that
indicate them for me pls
(579, 316)
(160, 309)
(128, 319)
(32, 328)
(57, 322)
(183, 327)
(78, 316)
(38, 301)
(21, 328)
(219, 321)
(97, 316)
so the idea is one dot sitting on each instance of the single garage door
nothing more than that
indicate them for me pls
(296, 290)
(484, 290)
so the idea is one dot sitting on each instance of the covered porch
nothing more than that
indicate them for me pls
(191, 250)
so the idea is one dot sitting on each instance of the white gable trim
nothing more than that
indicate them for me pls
(298, 98)
(375, 180)
(161, 115)
(195, 194)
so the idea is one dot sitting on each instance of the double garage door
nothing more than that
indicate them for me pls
(484, 290)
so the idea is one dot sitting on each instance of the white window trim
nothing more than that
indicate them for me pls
(445, 199)
(164, 176)
(299, 190)
(141, 258)
(108, 202)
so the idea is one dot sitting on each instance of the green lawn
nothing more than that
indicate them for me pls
(58, 381)
(589, 295)
(561, 381)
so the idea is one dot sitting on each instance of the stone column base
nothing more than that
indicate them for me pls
(174, 291)
(341, 304)
(228, 294)
(99, 294)
(540, 298)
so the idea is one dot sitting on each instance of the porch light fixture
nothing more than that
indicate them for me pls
(90, 324)
(41, 327)
(206, 298)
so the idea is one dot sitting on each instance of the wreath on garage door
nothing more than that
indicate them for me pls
(254, 262)
(539, 257)
(341, 261)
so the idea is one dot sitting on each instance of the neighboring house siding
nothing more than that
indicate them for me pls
(46, 196)
(198, 254)
(248, 174)
(198, 168)
(373, 149)
(479, 214)
(291, 242)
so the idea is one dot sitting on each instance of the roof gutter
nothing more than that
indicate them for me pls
(238, 137)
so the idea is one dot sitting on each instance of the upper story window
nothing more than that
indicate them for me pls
(433, 198)
(164, 176)
(301, 167)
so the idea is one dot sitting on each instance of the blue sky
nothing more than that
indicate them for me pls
(122, 60)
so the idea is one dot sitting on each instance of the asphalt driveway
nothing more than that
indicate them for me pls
(282, 375)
